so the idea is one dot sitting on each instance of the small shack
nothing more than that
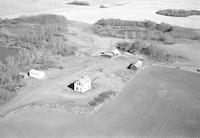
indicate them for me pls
(83, 84)
(23, 75)
(132, 67)
(36, 74)
(136, 66)
(116, 52)
(107, 54)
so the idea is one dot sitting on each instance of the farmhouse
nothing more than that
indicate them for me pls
(36, 74)
(83, 84)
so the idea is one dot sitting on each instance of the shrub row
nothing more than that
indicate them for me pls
(102, 97)
(142, 24)
(178, 12)
(136, 34)
(146, 30)
(82, 3)
(147, 49)
(9, 70)
(44, 19)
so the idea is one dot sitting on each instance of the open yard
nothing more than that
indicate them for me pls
(158, 102)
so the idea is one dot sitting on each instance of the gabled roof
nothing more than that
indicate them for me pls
(84, 80)
(36, 73)
(115, 51)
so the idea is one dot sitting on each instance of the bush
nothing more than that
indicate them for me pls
(45, 19)
(168, 38)
(44, 28)
(164, 27)
(186, 33)
(102, 98)
(178, 12)
(6, 95)
(38, 46)
(39, 35)
(60, 47)
(143, 24)
(146, 30)
(9, 79)
(152, 51)
(42, 36)
(102, 6)
(124, 46)
(83, 3)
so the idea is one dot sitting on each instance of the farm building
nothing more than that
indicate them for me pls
(136, 66)
(23, 75)
(110, 53)
(36, 74)
(83, 84)
(116, 52)
(107, 54)
(132, 67)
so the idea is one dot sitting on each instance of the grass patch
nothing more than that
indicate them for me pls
(82, 3)
(102, 98)
(154, 52)
(186, 33)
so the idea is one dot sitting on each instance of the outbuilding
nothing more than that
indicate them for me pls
(116, 52)
(36, 74)
(136, 66)
(83, 84)
(23, 75)
(132, 67)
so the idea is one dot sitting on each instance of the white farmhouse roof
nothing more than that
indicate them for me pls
(84, 80)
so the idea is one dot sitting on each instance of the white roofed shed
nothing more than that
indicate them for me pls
(36, 74)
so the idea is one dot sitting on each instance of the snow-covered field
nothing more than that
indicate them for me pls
(129, 10)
